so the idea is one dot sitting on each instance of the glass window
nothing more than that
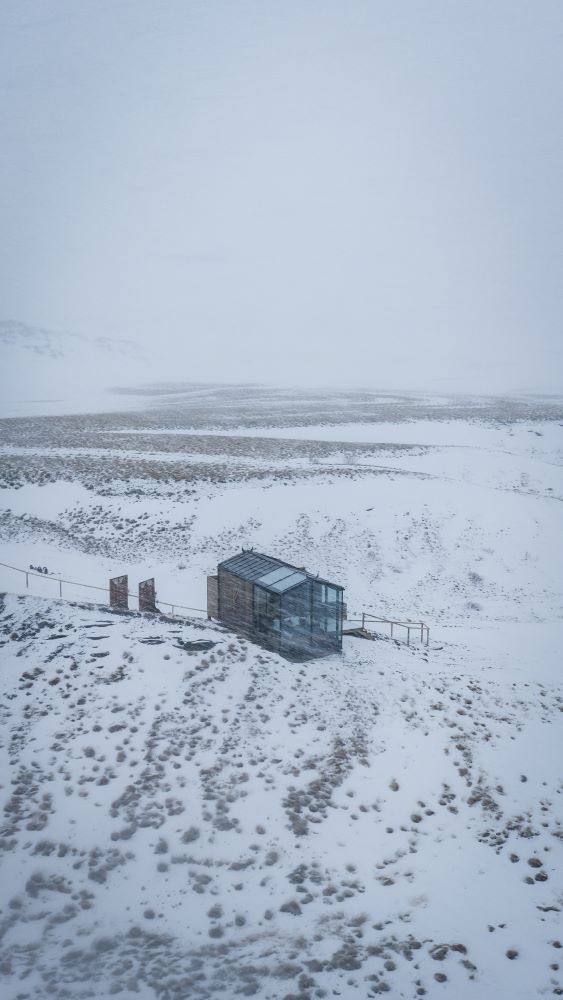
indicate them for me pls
(329, 595)
(266, 611)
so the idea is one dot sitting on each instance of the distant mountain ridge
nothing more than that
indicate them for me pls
(59, 344)
(48, 371)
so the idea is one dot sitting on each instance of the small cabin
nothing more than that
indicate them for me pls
(279, 606)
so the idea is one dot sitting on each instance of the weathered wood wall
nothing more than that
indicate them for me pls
(235, 602)
(212, 597)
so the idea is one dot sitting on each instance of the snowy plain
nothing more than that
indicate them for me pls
(183, 821)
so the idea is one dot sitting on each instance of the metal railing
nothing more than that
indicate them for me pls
(417, 628)
(54, 578)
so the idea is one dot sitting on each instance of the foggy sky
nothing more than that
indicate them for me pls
(309, 191)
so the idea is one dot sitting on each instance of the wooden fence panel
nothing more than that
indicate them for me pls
(119, 592)
(147, 595)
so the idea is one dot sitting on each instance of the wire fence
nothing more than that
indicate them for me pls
(53, 578)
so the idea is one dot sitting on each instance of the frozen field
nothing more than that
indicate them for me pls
(189, 820)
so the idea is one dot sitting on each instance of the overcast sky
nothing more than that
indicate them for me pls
(309, 191)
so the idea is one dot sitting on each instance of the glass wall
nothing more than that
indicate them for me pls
(302, 622)
(267, 619)
(296, 621)
(327, 614)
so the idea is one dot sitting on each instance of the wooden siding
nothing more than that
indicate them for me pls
(212, 597)
(235, 602)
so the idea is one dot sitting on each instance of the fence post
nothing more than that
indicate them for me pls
(147, 595)
(119, 592)
(391, 624)
(60, 588)
(27, 580)
(408, 636)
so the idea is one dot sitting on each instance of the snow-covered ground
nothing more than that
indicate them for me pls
(183, 821)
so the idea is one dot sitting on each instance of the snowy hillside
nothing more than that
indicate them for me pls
(186, 815)
(183, 823)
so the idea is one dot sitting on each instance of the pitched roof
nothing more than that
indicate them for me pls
(251, 565)
(271, 573)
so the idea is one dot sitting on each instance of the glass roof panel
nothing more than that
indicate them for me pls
(274, 575)
(288, 582)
